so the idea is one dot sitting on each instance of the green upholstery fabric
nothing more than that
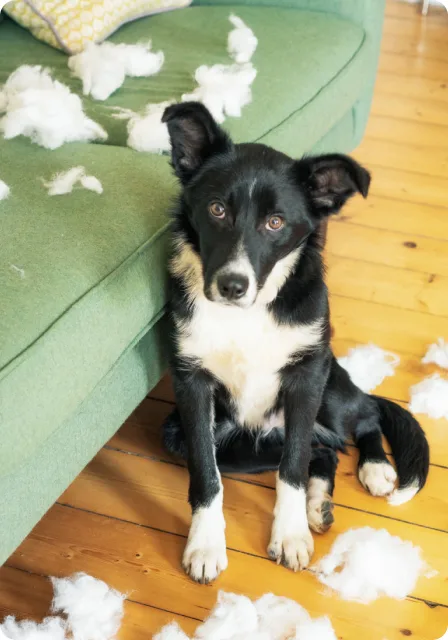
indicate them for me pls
(309, 50)
(80, 337)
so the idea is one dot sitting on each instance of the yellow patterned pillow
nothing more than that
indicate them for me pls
(70, 24)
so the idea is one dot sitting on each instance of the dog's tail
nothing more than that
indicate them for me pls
(409, 448)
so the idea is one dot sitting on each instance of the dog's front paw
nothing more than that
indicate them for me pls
(205, 564)
(378, 478)
(292, 551)
(320, 513)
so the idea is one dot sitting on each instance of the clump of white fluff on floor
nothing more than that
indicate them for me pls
(430, 396)
(44, 110)
(241, 41)
(364, 564)
(223, 89)
(368, 365)
(93, 609)
(147, 132)
(271, 617)
(4, 190)
(102, 68)
(52, 628)
(63, 182)
(171, 631)
(437, 354)
(232, 615)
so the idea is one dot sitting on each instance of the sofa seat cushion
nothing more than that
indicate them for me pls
(82, 276)
(301, 55)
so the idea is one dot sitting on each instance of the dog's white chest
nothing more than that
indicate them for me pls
(245, 349)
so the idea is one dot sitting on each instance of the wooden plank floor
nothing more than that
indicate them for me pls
(125, 518)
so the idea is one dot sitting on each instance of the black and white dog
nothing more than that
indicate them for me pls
(256, 383)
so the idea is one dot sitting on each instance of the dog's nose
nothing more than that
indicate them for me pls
(232, 285)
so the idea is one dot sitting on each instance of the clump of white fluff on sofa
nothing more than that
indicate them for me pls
(437, 354)
(93, 609)
(364, 564)
(146, 131)
(63, 182)
(223, 89)
(102, 68)
(430, 397)
(44, 110)
(241, 41)
(4, 190)
(368, 365)
(236, 617)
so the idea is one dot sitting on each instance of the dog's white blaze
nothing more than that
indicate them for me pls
(241, 265)
(245, 349)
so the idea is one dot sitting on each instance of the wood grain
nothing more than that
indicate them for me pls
(125, 518)
(146, 562)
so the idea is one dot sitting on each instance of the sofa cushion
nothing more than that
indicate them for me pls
(300, 54)
(81, 276)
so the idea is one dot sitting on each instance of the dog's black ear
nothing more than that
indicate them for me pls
(331, 180)
(194, 136)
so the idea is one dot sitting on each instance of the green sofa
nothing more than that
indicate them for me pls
(82, 276)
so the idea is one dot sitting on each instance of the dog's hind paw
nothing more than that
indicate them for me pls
(378, 478)
(204, 565)
(320, 513)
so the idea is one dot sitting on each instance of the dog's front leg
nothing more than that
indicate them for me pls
(291, 540)
(205, 554)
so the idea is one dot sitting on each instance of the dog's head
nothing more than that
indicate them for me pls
(250, 208)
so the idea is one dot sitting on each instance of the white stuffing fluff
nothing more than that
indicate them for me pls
(171, 632)
(366, 563)
(63, 182)
(271, 617)
(279, 616)
(368, 365)
(232, 615)
(223, 89)
(44, 110)
(93, 609)
(4, 190)
(102, 68)
(49, 629)
(241, 41)
(430, 396)
(438, 354)
(147, 132)
(320, 629)
(91, 183)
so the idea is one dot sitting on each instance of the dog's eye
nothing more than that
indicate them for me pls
(274, 223)
(217, 210)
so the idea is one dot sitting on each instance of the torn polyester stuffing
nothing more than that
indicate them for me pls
(4, 190)
(223, 89)
(364, 564)
(147, 132)
(63, 183)
(430, 397)
(44, 110)
(368, 365)
(102, 68)
(236, 617)
(241, 41)
(438, 354)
